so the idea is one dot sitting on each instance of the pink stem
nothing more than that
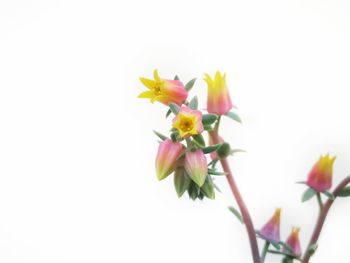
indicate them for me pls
(322, 217)
(243, 208)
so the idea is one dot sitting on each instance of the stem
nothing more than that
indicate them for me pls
(322, 217)
(319, 200)
(244, 211)
(264, 252)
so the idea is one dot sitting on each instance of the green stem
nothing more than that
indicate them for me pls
(319, 200)
(264, 251)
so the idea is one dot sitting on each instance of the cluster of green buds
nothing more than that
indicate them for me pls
(183, 152)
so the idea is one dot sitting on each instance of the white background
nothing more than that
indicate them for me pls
(77, 180)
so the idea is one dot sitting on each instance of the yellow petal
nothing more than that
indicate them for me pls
(155, 75)
(148, 82)
(146, 94)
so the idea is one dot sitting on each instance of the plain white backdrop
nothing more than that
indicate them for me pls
(77, 180)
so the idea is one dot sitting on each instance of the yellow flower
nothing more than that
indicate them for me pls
(188, 122)
(164, 90)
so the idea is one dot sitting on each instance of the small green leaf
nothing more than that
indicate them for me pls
(208, 127)
(161, 136)
(174, 108)
(308, 194)
(211, 148)
(199, 140)
(233, 116)
(208, 119)
(312, 249)
(287, 260)
(193, 191)
(176, 77)
(214, 172)
(329, 195)
(181, 181)
(190, 84)
(208, 188)
(193, 103)
(345, 192)
(236, 213)
(234, 151)
(168, 113)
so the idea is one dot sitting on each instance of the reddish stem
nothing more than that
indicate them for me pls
(322, 217)
(243, 208)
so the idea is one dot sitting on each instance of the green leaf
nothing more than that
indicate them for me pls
(168, 113)
(190, 84)
(345, 192)
(161, 136)
(208, 127)
(214, 172)
(308, 194)
(236, 213)
(199, 140)
(176, 77)
(193, 103)
(181, 181)
(233, 116)
(234, 151)
(193, 191)
(208, 188)
(211, 148)
(312, 249)
(287, 260)
(174, 108)
(329, 195)
(208, 119)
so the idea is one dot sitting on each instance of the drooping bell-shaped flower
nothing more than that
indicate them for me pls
(167, 156)
(188, 122)
(165, 91)
(219, 100)
(271, 230)
(196, 166)
(320, 176)
(293, 242)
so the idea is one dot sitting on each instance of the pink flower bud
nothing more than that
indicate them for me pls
(271, 230)
(164, 90)
(320, 176)
(188, 122)
(219, 100)
(168, 153)
(293, 242)
(196, 166)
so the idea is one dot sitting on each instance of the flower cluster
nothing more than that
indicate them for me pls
(184, 151)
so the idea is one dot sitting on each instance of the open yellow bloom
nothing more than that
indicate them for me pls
(164, 90)
(188, 122)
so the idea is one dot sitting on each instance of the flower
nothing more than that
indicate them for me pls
(188, 122)
(271, 230)
(164, 90)
(320, 176)
(196, 166)
(219, 101)
(293, 242)
(168, 153)
(214, 155)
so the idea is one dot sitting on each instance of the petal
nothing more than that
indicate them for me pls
(155, 75)
(148, 82)
(146, 94)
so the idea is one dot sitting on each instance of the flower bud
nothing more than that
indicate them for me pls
(271, 230)
(164, 90)
(188, 122)
(168, 153)
(219, 100)
(320, 176)
(293, 242)
(196, 166)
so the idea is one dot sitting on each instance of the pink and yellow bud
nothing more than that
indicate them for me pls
(219, 100)
(167, 157)
(196, 166)
(293, 242)
(271, 230)
(320, 176)
(164, 90)
(188, 122)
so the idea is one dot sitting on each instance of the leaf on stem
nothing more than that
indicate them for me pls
(174, 108)
(193, 103)
(161, 136)
(308, 194)
(190, 84)
(345, 192)
(236, 213)
(208, 119)
(211, 148)
(234, 116)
